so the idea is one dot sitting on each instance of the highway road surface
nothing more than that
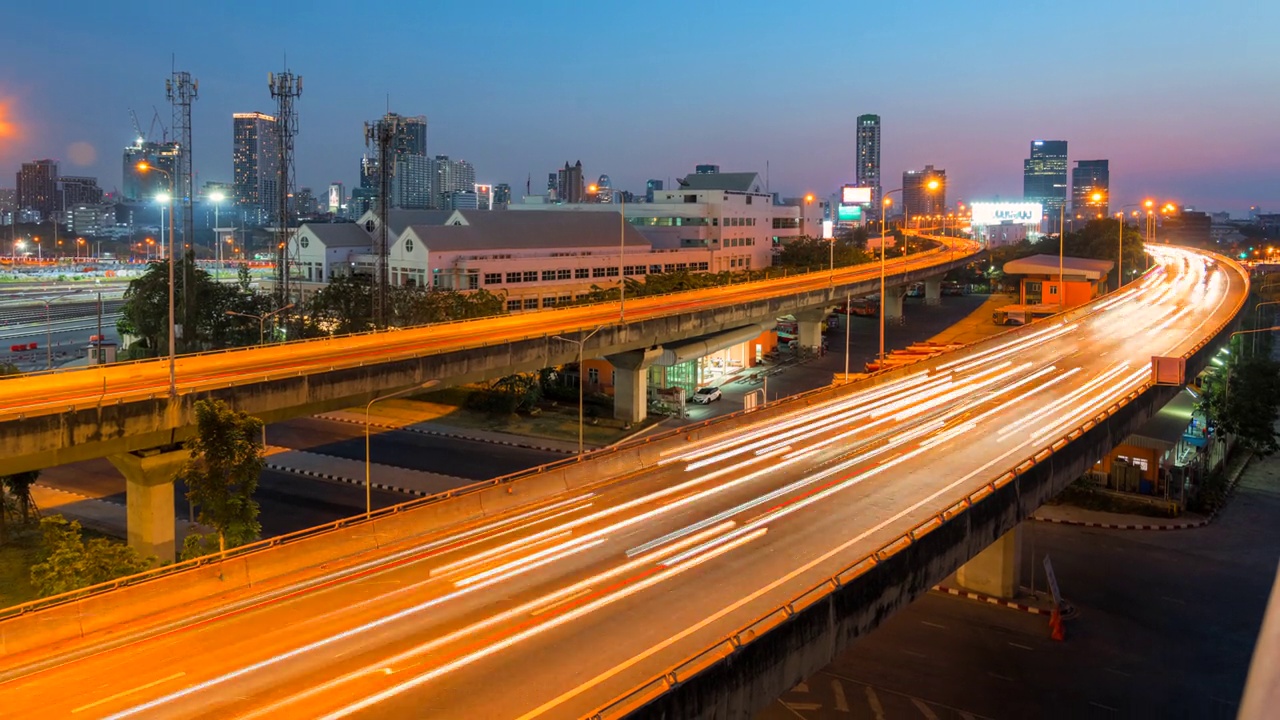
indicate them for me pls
(558, 608)
(40, 394)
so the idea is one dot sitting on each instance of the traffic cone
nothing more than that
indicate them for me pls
(1056, 630)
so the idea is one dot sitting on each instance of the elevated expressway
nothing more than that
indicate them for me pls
(719, 569)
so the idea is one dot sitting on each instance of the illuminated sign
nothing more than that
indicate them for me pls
(854, 195)
(828, 230)
(849, 213)
(996, 213)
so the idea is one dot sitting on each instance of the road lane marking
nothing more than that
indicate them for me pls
(876, 708)
(1024, 647)
(1119, 672)
(999, 677)
(924, 709)
(794, 706)
(933, 624)
(1104, 707)
(119, 695)
(837, 688)
(802, 687)
(966, 716)
(917, 654)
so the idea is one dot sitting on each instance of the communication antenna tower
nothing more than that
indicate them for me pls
(181, 90)
(285, 88)
(380, 136)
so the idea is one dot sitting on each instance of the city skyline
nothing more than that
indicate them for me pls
(1159, 116)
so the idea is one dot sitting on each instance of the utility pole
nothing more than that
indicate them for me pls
(285, 88)
(182, 90)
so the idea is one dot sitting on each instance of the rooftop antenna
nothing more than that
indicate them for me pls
(380, 135)
(182, 90)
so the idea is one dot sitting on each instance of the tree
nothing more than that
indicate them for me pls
(817, 253)
(69, 562)
(222, 474)
(1247, 407)
(145, 312)
(341, 307)
(413, 305)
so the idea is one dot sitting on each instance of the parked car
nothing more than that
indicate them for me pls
(707, 395)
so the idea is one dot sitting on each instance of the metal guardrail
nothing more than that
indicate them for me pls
(371, 333)
(678, 673)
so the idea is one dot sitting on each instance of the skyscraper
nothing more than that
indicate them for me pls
(255, 165)
(411, 170)
(501, 196)
(650, 187)
(917, 198)
(569, 185)
(1088, 178)
(868, 171)
(604, 190)
(1044, 178)
(76, 190)
(451, 176)
(144, 186)
(38, 187)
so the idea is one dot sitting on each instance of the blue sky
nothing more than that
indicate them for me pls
(1183, 98)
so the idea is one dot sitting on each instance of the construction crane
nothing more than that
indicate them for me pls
(137, 129)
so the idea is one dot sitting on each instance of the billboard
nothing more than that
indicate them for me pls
(828, 230)
(996, 213)
(849, 213)
(854, 195)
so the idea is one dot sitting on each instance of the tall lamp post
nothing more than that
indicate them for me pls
(368, 485)
(883, 211)
(262, 320)
(622, 250)
(216, 198)
(173, 342)
(1255, 322)
(581, 380)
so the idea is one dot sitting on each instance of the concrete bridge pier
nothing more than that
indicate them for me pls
(148, 476)
(893, 303)
(631, 383)
(809, 325)
(933, 291)
(995, 571)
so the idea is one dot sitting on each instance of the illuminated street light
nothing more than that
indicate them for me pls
(581, 378)
(622, 251)
(173, 337)
(216, 198)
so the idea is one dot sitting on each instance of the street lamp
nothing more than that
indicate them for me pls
(622, 250)
(887, 202)
(48, 330)
(173, 341)
(1255, 322)
(368, 492)
(262, 320)
(216, 197)
(581, 380)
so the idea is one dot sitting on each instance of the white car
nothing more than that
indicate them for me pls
(706, 395)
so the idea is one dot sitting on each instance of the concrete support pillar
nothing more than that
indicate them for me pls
(148, 479)
(809, 324)
(995, 571)
(933, 291)
(893, 303)
(631, 383)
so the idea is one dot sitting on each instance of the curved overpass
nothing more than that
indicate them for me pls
(617, 597)
(48, 419)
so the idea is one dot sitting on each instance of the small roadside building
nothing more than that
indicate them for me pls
(1081, 279)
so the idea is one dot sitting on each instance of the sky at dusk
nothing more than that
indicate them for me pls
(1182, 97)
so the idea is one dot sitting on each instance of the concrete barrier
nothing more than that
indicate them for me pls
(392, 528)
(508, 496)
(272, 563)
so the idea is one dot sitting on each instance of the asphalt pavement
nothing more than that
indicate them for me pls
(1165, 627)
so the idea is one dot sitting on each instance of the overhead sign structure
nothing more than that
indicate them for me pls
(854, 195)
(997, 213)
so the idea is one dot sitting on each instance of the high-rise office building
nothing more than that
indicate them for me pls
(569, 185)
(501, 196)
(255, 166)
(77, 190)
(140, 186)
(38, 187)
(868, 170)
(1044, 179)
(1091, 177)
(604, 190)
(450, 176)
(411, 169)
(337, 197)
(650, 187)
(917, 198)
